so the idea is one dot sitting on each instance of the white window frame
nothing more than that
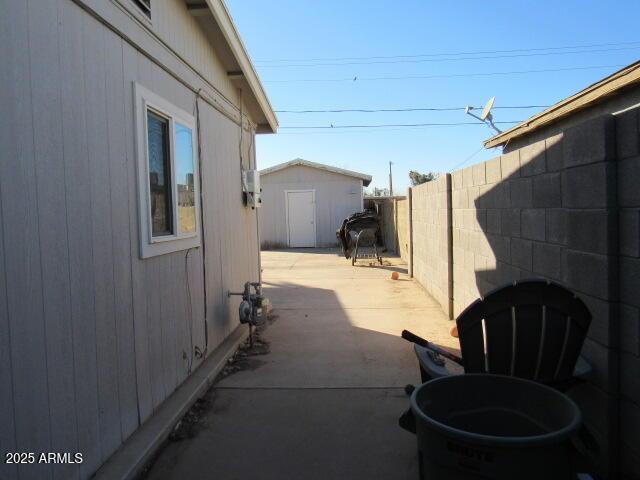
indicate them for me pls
(151, 246)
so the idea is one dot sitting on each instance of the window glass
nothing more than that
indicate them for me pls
(185, 179)
(159, 175)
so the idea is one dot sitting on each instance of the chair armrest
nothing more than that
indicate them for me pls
(431, 368)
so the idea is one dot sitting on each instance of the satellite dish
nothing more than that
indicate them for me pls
(486, 111)
(485, 116)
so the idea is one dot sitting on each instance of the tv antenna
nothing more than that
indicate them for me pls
(485, 116)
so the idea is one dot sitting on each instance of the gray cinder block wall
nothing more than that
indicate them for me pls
(565, 208)
(431, 218)
(628, 176)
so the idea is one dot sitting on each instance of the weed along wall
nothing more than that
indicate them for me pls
(565, 208)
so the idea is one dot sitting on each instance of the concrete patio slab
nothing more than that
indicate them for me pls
(276, 434)
(324, 401)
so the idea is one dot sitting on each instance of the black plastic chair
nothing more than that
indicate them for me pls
(531, 329)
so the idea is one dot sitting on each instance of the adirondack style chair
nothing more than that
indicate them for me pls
(532, 329)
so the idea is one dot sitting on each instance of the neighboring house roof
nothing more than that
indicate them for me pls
(239, 65)
(366, 179)
(585, 98)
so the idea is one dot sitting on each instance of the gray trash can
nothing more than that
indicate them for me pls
(479, 426)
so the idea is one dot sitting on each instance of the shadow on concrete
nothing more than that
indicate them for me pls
(323, 403)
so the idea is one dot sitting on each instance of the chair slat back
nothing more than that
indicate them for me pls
(530, 329)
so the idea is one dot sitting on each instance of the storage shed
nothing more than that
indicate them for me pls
(304, 203)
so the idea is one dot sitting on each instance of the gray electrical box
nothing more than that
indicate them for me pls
(251, 187)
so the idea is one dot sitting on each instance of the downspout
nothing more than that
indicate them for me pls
(252, 149)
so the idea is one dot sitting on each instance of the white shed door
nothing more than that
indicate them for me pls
(301, 215)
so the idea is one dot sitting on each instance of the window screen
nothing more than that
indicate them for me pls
(159, 175)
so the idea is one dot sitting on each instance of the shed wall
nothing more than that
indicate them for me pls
(337, 197)
(92, 338)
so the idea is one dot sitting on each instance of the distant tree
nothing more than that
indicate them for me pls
(418, 178)
(376, 192)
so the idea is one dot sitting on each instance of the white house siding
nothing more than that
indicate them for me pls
(337, 196)
(91, 336)
(174, 25)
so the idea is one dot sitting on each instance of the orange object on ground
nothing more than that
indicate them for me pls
(454, 331)
(395, 276)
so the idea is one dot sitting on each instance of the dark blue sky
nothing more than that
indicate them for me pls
(303, 31)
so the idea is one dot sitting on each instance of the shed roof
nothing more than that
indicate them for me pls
(366, 179)
(217, 21)
(587, 97)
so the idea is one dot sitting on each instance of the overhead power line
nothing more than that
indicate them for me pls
(448, 59)
(447, 54)
(419, 109)
(354, 131)
(386, 125)
(451, 75)
(466, 159)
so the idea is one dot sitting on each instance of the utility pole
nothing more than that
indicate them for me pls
(390, 180)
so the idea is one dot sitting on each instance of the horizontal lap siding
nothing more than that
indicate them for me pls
(93, 339)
